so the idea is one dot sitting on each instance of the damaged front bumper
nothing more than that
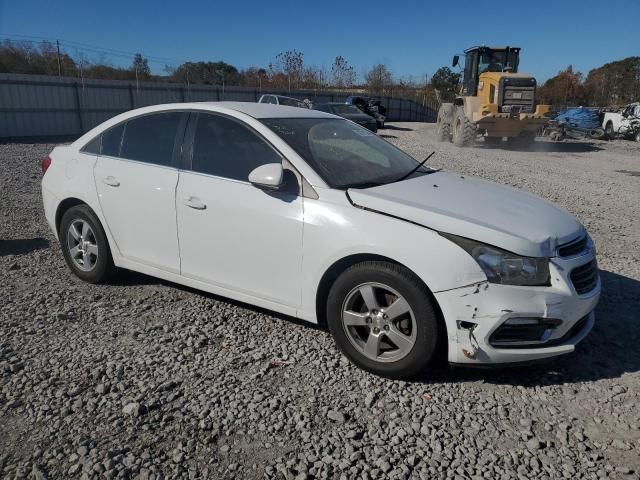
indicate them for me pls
(489, 323)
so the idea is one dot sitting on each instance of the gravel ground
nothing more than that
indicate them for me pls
(146, 379)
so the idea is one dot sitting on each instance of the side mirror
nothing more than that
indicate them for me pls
(456, 60)
(268, 177)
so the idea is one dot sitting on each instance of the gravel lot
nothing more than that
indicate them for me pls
(146, 379)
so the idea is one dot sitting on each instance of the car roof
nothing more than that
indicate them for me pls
(266, 110)
(255, 110)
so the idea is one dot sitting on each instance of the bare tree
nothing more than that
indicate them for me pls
(290, 65)
(343, 74)
(379, 78)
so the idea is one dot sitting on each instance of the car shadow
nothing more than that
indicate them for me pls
(609, 351)
(387, 136)
(22, 246)
(395, 127)
(549, 147)
(126, 278)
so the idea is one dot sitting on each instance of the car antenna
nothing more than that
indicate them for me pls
(415, 169)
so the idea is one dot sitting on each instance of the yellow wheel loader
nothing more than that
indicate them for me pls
(495, 101)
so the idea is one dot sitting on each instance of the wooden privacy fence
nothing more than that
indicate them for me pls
(48, 106)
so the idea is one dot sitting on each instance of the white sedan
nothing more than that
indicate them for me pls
(308, 214)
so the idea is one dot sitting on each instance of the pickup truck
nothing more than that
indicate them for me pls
(625, 124)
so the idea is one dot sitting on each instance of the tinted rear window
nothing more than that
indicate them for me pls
(151, 138)
(111, 140)
(93, 146)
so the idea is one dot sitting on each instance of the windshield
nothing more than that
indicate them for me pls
(339, 109)
(343, 154)
(496, 61)
(291, 102)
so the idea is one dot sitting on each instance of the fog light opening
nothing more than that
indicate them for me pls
(524, 331)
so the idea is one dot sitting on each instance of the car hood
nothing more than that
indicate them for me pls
(498, 215)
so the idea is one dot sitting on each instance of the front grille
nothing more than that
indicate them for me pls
(585, 277)
(574, 247)
(517, 95)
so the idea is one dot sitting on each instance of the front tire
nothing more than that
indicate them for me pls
(383, 319)
(85, 246)
(464, 131)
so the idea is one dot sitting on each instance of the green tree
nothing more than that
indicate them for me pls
(210, 73)
(446, 82)
(615, 83)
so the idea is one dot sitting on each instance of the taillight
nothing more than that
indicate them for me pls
(46, 163)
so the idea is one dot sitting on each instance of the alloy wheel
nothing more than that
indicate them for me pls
(379, 322)
(82, 245)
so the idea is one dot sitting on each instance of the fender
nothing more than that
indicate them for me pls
(362, 232)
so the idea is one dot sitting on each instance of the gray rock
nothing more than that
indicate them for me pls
(336, 416)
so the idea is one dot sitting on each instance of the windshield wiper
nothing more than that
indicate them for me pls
(369, 184)
(416, 169)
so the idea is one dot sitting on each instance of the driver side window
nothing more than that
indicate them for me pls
(226, 148)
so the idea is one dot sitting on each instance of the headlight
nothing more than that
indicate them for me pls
(505, 267)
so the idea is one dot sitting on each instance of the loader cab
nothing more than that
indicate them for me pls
(478, 60)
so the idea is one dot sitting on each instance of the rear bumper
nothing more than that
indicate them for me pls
(50, 203)
(473, 314)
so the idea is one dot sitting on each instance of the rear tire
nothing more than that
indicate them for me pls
(608, 130)
(394, 340)
(445, 116)
(464, 131)
(85, 246)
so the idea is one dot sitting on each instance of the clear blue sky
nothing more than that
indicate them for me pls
(413, 38)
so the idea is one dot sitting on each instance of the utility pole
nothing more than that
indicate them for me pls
(59, 66)
(221, 72)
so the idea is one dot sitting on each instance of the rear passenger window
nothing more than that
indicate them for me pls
(151, 138)
(93, 146)
(226, 148)
(111, 140)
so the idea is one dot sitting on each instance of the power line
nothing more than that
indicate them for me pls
(89, 48)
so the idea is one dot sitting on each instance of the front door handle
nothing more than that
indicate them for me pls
(111, 181)
(195, 202)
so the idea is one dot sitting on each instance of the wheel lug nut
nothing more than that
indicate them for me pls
(386, 328)
(368, 319)
(376, 330)
(385, 316)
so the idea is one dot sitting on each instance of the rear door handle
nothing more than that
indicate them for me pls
(111, 181)
(195, 202)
